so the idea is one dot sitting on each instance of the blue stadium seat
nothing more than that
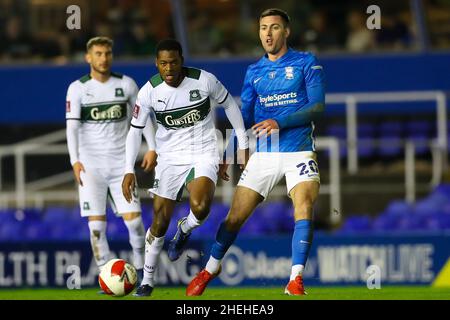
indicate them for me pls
(67, 231)
(435, 222)
(12, 230)
(116, 229)
(412, 222)
(36, 230)
(276, 216)
(254, 226)
(385, 222)
(391, 128)
(59, 214)
(420, 132)
(421, 144)
(219, 210)
(390, 146)
(366, 130)
(398, 208)
(355, 224)
(31, 214)
(366, 147)
(7, 215)
(419, 126)
(338, 131)
(390, 139)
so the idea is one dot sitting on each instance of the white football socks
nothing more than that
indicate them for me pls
(153, 247)
(99, 243)
(190, 223)
(136, 232)
(296, 270)
(213, 265)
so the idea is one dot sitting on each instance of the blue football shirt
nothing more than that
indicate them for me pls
(277, 88)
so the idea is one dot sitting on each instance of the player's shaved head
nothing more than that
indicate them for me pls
(276, 12)
(169, 45)
(99, 41)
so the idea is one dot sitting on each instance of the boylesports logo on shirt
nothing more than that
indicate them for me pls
(278, 99)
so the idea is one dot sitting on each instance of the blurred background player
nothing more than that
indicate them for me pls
(98, 111)
(186, 142)
(283, 91)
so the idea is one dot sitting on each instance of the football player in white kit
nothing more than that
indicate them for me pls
(98, 112)
(186, 143)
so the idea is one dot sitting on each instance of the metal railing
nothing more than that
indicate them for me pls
(32, 192)
(352, 99)
(43, 145)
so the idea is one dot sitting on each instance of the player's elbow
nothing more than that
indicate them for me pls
(317, 110)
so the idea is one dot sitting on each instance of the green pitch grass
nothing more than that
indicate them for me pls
(260, 293)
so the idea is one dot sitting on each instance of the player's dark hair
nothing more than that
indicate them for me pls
(99, 41)
(169, 45)
(276, 12)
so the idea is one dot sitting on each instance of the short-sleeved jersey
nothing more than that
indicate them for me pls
(277, 88)
(104, 110)
(183, 113)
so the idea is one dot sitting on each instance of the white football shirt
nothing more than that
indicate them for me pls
(104, 111)
(184, 117)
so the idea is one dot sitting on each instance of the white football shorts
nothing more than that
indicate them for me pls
(265, 169)
(101, 185)
(173, 174)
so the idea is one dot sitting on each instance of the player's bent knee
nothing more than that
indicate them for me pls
(159, 228)
(234, 223)
(200, 209)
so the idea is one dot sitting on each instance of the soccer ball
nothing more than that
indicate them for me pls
(117, 278)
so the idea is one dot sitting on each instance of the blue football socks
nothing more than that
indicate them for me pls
(301, 241)
(224, 239)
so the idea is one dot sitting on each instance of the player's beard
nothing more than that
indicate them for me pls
(104, 71)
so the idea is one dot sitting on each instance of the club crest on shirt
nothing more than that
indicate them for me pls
(289, 73)
(194, 95)
(67, 106)
(272, 74)
(119, 92)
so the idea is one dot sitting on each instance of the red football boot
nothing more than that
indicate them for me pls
(199, 283)
(295, 287)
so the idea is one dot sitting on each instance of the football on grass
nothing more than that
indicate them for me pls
(117, 278)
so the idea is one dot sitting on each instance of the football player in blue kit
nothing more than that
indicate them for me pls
(283, 94)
